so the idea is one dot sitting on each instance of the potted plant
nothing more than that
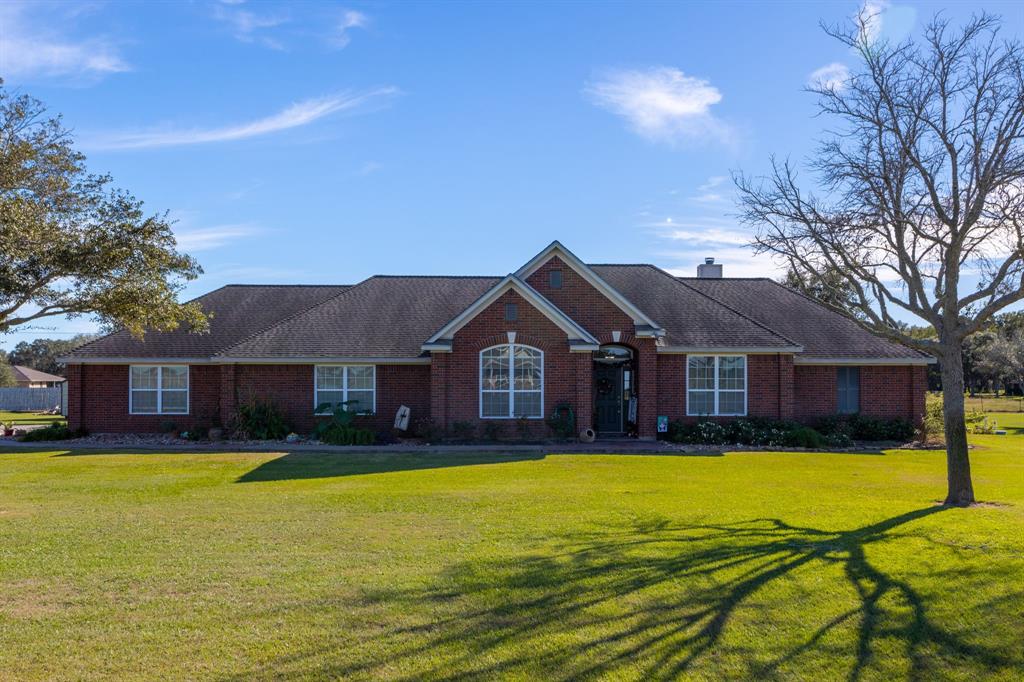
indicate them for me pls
(8, 428)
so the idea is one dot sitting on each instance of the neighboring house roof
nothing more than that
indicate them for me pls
(382, 317)
(239, 311)
(823, 333)
(692, 321)
(34, 376)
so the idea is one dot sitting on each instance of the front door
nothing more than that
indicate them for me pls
(608, 398)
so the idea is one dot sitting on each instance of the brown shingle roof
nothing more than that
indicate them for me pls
(22, 373)
(383, 317)
(690, 318)
(823, 333)
(391, 317)
(239, 310)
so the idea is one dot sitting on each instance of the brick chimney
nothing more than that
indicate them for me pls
(709, 270)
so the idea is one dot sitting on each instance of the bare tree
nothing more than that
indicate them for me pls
(920, 186)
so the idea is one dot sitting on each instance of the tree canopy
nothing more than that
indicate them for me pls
(917, 206)
(43, 354)
(71, 244)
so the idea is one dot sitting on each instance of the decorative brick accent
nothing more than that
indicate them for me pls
(461, 380)
(579, 300)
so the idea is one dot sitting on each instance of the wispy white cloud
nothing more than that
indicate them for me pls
(883, 20)
(191, 240)
(662, 104)
(349, 19)
(299, 114)
(248, 26)
(369, 168)
(709, 192)
(736, 262)
(35, 43)
(832, 76)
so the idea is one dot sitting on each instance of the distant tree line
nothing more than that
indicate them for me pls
(41, 354)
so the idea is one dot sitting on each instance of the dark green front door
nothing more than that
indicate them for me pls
(608, 398)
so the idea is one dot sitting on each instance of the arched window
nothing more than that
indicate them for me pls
(511, 382)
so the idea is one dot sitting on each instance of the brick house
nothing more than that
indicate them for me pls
(620, 345)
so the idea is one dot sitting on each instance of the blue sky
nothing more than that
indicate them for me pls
(324, 142)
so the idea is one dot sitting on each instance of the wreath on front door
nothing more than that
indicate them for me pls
(604, 386)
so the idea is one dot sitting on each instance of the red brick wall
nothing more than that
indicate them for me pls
(448, 390)
(893, 392)
(290, 387)
(815, 391)
(98, 395)
(580, 301)
(885, 391)
(98, 399)
(769, 386)
(456, 378)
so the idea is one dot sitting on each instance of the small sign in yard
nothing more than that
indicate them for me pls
(662, 424)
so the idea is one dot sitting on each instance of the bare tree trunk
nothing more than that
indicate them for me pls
(958, 464)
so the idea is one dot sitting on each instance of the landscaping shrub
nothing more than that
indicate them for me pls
(168, 426)
(860, 427)
(493, 430)
(752, 431)
(340, 428)
(562, 421)
(523, 428)
(463, 430)
(933, 428)
(425, 428)
(199, 432)
(261, 420)
(53, 432)
(805, 437)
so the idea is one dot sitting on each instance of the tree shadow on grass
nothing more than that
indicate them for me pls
(306, 465)
(655, 601)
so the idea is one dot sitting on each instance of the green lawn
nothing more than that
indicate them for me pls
(759, 565)
(992, 403)
(29, 418)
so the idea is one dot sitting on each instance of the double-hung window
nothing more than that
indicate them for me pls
(354, 385)
(158, 389)
(848, 390)
(511, 382)
(716, 385)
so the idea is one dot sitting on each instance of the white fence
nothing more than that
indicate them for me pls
(31, 399)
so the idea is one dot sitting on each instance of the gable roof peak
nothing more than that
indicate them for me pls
(595, 280)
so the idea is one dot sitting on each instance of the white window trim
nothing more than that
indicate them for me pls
(717, 391)
(511, 390)
(160, 391)
(344, 389)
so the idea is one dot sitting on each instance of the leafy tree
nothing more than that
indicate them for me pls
(1003, 358)
(42, 354)
(830, 287)
(6, 376)
(919, 183)
(72, 244)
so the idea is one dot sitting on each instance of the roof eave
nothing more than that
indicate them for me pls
(864, 361)
(719, 350)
